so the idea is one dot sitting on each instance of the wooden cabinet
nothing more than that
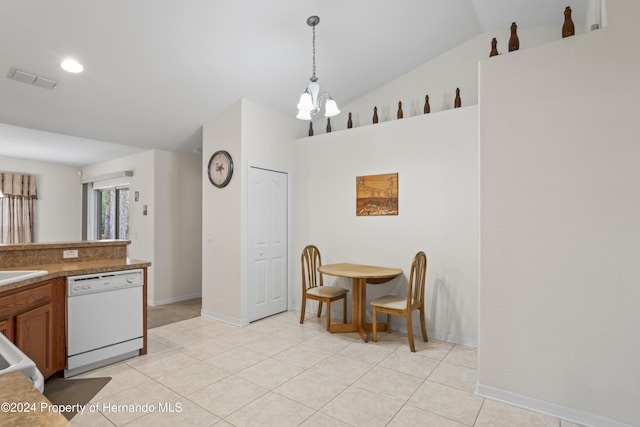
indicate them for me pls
(4, 328)
(33, 318)
(34, 336)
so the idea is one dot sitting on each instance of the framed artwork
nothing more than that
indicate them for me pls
(377, 195)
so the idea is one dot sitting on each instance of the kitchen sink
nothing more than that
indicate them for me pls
(7, 277)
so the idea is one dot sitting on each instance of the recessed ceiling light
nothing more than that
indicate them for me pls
(72, 66)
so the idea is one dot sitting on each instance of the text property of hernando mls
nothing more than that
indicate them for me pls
(104, 407)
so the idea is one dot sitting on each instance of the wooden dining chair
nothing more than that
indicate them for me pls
(313, 286)
(403, 305)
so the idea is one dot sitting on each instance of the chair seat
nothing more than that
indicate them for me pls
(393, 302)
(327, 291)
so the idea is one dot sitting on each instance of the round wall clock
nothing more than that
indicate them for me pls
(220, 168)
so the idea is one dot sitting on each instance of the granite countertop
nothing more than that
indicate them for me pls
(72, 269)
(24, 405)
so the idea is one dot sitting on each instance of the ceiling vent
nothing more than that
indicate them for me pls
(32, 79)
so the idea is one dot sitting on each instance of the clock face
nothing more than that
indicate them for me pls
(220, 168)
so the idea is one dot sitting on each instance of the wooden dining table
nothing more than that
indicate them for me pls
(360, 275)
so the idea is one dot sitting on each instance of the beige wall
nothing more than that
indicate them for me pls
(254, 136)
(177, 227)
(559, 319)
(436, 158)
(221, 221)
(168, 184)
(59, 206)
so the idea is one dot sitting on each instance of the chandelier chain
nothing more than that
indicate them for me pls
(313, 76)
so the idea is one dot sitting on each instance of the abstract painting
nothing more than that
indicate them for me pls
(377, 195)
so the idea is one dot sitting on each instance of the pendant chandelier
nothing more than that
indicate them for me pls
(312, 99)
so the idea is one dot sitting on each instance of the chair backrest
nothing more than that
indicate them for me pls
(311, 260)
(415, 293)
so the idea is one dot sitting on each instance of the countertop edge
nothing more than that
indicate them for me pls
(71, 269)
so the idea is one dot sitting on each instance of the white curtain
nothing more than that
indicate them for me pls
(17, 217)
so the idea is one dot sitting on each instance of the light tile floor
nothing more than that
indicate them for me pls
(276, 372)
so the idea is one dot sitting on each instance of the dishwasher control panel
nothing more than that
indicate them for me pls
(101, 282)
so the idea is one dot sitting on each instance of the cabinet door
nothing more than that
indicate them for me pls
(5, 329)
(7, 307)
(34, 336)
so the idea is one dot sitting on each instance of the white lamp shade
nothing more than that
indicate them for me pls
(331, 108)
(304, 115)
(305, 103)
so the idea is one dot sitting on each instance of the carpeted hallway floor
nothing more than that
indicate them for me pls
(171, 313)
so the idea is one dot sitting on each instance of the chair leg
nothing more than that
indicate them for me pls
(304, 306)
(423, 325)
(319, 308)
(344, 309)
(374, 324)
(410, 332)
(388, 323)
(328, 315)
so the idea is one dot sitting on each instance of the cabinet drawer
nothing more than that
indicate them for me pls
(24, 300)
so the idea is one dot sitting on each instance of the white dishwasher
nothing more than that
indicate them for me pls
(104, 319)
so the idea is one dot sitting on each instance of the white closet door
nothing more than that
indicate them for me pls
(267, 246)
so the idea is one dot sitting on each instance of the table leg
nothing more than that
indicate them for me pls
(358, 312)
(354, 326)
(362, 305)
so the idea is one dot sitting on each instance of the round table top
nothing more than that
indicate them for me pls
(359, 271)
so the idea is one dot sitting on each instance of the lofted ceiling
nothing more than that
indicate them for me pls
(156, 70)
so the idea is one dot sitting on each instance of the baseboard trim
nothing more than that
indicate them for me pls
(465, 341)
(155, 303)
(401, 327)
(548, 408)
(223, 318)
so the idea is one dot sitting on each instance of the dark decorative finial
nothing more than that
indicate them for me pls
(494, 48)
(457, 103)
(568, 29)
(514, 41)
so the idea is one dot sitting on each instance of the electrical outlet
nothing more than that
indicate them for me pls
(71, 253)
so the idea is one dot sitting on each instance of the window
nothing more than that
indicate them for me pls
(112, 208)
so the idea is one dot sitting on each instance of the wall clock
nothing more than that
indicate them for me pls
(220, 168)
